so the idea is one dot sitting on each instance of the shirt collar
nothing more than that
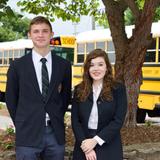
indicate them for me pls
(99, 88)
(37, 57)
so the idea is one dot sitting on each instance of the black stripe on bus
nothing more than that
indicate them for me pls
(2, 81)
(151, 79)
(151, 65)
(3, 74)
(149, 92)
(77, 76)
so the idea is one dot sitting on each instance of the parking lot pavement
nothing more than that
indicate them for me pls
(5, 122)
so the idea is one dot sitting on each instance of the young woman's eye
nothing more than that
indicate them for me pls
(91, 65)
(100, 64)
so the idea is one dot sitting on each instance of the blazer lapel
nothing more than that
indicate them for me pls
(53, 76)
(89, 105)
(32, 74)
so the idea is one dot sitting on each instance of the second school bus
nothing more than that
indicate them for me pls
(149, 96)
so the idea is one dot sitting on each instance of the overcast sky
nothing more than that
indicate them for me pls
(60, 27)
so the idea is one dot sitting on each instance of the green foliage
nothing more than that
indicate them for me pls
(7, 139)
(129, 19)
(8, 145)
(140, 3)
(10, 130)
(157, 15)
(101, 19)
(5, 9)
(12, 28)
(67, 10)
(148, 123)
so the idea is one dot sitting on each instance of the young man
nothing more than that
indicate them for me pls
(37, 95)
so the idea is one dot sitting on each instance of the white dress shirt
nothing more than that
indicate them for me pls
(38, 65)
(93, 119)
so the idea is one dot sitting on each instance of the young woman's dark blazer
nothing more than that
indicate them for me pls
(111, 116)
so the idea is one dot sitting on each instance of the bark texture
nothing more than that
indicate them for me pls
(130, 52)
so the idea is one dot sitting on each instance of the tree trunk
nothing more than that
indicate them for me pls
(133, 80)
(132, 89)
(130, 52)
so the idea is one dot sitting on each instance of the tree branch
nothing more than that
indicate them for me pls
(133, 7)
(157, 3)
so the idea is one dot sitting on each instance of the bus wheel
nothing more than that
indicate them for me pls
(141, 115)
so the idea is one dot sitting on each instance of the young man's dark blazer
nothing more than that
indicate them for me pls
(25, 103)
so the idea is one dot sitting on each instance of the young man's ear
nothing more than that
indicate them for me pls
(28, 34)
(52, 34)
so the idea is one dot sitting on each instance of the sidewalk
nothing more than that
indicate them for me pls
(5, 122)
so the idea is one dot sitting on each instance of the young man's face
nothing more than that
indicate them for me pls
(40, 35)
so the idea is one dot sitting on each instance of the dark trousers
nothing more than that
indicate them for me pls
(51, 149)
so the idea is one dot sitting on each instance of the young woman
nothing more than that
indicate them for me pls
(98, 111)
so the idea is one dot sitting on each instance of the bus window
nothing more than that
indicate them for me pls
(151, 52)
(10, 56)
(16, 54)
(66, 53)
(5, 57)
(112, 57)
(111, 51)
(89, 47)
(22, 52)
(80, 58)
(80, 52)
(80, 47)
(150, 56)
(100, 45)
(110, 46)
(1, 57)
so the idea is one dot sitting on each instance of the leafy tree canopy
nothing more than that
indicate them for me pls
(67, 10)
(13, 27)
(5, 9)
(72, 10)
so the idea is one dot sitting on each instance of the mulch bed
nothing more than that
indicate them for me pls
(141, 134)
(137, 135)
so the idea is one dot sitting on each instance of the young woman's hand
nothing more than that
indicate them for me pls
(88, 144)
(91, 155)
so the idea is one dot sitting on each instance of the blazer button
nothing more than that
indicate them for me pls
(99, 102)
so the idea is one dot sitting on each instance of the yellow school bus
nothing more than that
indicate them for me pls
(9, 51)
(149, 96)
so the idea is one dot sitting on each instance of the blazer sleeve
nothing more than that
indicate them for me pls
(76, 124)
(113, 128)
(66, 91)
(12, 91)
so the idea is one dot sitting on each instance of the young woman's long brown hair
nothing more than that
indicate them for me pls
(83, 90)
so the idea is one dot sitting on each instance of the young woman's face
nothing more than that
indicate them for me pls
(97, 69)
